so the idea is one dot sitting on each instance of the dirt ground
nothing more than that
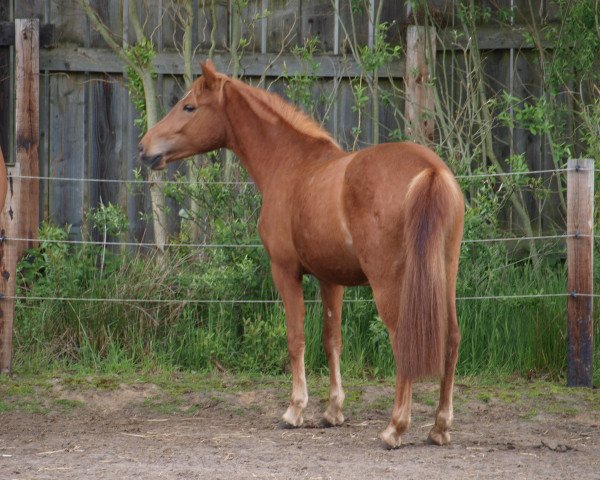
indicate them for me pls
(229, 429)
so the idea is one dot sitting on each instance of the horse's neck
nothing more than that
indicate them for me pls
(272, 149)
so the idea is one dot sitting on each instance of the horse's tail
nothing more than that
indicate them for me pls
(421, 333)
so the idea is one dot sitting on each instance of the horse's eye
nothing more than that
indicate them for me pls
(188, 108)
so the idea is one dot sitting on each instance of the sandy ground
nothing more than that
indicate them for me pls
(144, 431)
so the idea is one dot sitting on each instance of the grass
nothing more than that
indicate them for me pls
(176, 392)
(499, 337)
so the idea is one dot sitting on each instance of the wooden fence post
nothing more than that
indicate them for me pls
(28, 125)
(580, 250)
(419, 98)
(21, 212)
(9, 255)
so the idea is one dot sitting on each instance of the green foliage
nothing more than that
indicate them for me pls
(361, 94)
(472, 14)
(299, 88)
(110, 219)
(576, 42)
(572, 70)
(534, 117)
(141, 54)
(358, 6)
(382, 53)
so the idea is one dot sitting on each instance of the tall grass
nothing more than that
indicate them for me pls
(524, 336)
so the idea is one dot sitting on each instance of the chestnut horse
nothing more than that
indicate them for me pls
(390, 216)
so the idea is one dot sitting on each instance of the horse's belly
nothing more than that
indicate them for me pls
(330, 263)
(320, 234)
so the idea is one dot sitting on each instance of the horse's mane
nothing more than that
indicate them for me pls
(285, 112)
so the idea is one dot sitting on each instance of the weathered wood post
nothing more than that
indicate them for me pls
(21, 212)
(580, 252)
(27, 33)
(420, 95)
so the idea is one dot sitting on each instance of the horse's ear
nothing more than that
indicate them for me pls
(209, 72)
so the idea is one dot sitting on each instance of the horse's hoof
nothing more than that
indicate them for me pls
(332, 419)
(438, 437)
(293, 418)
(283, 425)
(391, 438)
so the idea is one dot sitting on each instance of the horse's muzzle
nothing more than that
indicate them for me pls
(154, 162)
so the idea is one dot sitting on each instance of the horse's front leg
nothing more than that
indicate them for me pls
(332, 341)
(289, 285)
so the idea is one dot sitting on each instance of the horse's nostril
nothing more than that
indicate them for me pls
(140, 148)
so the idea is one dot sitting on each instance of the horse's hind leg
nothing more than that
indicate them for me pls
(332, 340)
(290, 288)
(392, 435)
(439, 434)
(386, 298)
(444, 414)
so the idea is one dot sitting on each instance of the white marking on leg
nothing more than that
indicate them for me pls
(334, 415)
(293, 415)
(400, 421)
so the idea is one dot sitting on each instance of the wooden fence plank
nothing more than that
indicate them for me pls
(356, 13)
(318, 21)
(67, 149)
(69, 59)
(205, 23)
(44, 143)
(250, 26)
(29, 9)
(105, 117)
(139, 196)
(112, 18)
(105, 140)
(283, 25)
(27, 124)
(70, 22)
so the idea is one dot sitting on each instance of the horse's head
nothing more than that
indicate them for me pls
(196, 124)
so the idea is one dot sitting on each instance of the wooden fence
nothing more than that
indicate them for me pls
(86, 116)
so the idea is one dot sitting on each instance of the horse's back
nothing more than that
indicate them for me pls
(349, 212)
(376, 184)
(391, 165)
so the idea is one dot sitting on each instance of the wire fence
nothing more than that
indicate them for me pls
(257, 245)
(278, 301)
(139, 181)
